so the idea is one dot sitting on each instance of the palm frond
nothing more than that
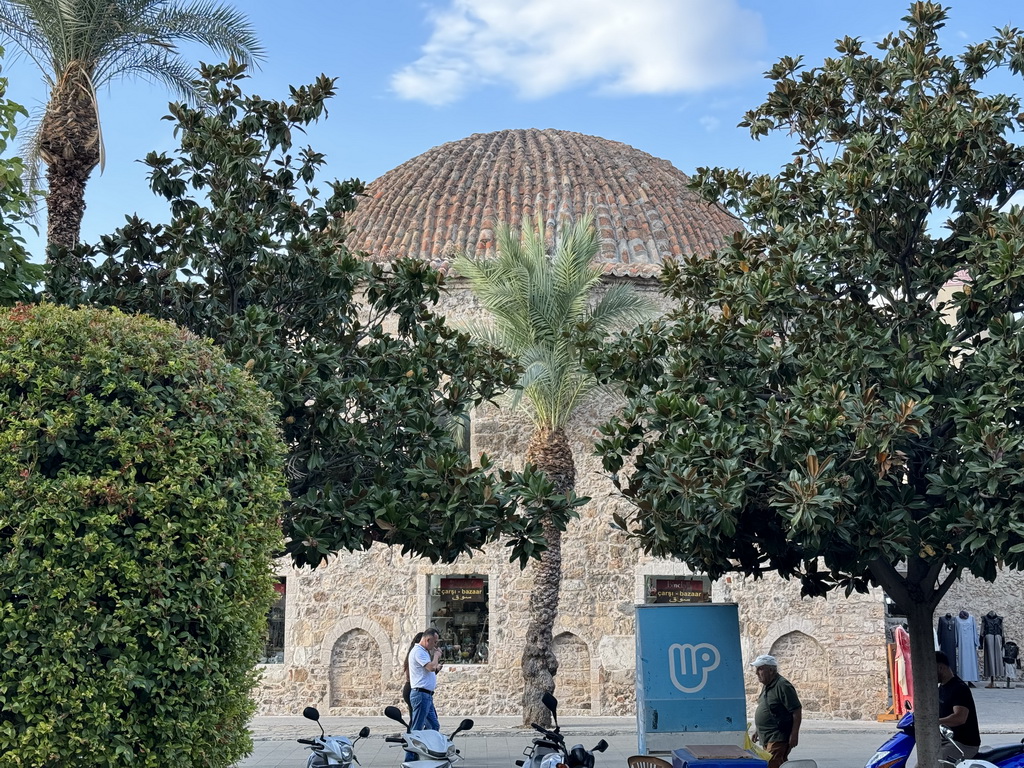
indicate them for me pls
(161, 66)
(18, 26)
(488, 334)
(94, 102)
(554, 383)
(107, 39)
(618, 306)
(28, 145)
(537, 300)
(214, 25)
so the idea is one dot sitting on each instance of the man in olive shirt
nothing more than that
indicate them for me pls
(778, 713)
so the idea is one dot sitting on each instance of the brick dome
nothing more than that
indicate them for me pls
(449, 199)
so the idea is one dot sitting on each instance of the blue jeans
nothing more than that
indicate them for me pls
(424, 716)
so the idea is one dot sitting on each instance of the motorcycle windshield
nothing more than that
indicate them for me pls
(433, 743)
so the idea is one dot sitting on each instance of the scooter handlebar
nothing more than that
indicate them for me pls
(552, 735)
(394, 739)
(310, 742)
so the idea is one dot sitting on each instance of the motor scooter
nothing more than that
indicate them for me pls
(330, 750)
(895, 752)
(1005, 756)
(432, 748)
(550, 751)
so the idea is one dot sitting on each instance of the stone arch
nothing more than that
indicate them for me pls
(573, 680)
(804, 662)
(358, 654)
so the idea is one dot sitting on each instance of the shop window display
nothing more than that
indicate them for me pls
(273, 650)
(459, 612)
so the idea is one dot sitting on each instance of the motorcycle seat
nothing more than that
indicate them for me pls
(544, 743)
(999, 754)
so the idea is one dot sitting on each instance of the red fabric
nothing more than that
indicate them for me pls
(903, 685)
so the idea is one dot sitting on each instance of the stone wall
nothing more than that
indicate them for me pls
(832, 650)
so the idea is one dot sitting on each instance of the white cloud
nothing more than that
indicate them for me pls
(543, 47)
(710, 123)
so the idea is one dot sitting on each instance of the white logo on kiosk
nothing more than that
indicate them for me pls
(689, 665)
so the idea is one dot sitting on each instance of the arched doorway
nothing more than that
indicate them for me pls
(803, 662)
(572, 682)
(357, 664)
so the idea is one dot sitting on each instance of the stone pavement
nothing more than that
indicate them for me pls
(496, 742)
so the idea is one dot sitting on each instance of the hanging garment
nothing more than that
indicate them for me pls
(947, 638)
(1010, 653)
(991, 624)
(992, 645)
(967, 645)
(903, 693)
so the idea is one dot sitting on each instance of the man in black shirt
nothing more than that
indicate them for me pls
(957, 711)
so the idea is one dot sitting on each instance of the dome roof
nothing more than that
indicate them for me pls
(450, 198)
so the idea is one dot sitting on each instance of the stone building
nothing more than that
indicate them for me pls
(347, 625)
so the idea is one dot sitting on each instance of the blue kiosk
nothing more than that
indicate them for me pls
(689, 676)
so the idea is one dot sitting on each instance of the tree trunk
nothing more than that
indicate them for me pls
(69, 144)
(918, 594)
(549, 451)
(926, 683)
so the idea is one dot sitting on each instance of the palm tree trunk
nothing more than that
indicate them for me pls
(69, 143)
(550, 452)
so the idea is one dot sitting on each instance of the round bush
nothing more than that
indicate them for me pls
(140, 491)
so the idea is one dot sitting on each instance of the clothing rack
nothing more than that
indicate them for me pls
(891, 713)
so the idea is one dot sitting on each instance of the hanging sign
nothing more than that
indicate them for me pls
(679, 591)
(462, 590)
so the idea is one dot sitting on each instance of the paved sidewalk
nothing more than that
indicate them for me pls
(497, 742)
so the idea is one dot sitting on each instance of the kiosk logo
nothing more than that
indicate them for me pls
(689, 665)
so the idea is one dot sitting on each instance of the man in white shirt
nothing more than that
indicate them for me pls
(424, 664)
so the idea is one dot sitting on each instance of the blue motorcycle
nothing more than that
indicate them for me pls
(894, 753)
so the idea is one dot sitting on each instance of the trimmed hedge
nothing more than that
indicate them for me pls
(140, 489)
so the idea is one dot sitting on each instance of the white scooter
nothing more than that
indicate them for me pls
(1006, 756)
(432, 748)
(330, 750)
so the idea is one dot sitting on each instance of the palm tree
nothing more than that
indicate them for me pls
(536, 303)
(81, 45)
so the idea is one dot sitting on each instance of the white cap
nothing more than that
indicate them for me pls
(764, 660)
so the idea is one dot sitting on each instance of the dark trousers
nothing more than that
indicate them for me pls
(779, 751)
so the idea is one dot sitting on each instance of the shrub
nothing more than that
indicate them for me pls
(140, 490)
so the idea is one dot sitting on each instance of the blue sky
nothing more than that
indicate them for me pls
(669, 77)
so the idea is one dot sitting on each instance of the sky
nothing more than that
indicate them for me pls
(669, 77)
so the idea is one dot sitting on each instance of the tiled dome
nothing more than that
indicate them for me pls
(449, 199)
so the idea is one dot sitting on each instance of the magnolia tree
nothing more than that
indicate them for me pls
(368, 377)
(838, 396)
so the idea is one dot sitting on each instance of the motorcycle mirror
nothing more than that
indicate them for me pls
(394, 713)
(364, 732)
(465, 725)
(602, 745)
(311, 713)
(549, 701)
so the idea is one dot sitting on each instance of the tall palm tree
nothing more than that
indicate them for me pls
(81, 45)
(536, 302)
